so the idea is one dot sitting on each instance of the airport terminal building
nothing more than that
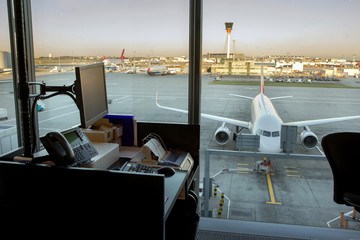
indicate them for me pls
(5, 60)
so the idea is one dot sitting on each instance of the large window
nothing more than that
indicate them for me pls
(309, 51)
(144, 45)
(8, 130)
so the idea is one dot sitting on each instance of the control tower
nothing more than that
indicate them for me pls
(228, 28)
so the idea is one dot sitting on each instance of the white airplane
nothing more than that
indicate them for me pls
(265, 122)
(159, 70)
(113, 62)
(6, 71)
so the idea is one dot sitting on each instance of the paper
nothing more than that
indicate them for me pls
(156, 148)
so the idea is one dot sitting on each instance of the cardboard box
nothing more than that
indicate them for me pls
(118, 131)
(127, 121)
(103, 136)
(101, 122)
(117, 140)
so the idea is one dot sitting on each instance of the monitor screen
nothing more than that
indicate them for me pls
(90, 90)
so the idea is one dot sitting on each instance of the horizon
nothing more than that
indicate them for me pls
(261, 28)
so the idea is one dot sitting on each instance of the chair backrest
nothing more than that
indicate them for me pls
(343, 153)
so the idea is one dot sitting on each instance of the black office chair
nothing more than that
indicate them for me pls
(343, 153)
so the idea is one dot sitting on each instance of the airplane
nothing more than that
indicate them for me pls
(113, 62)
(265, 122)
(6, 71)
(159, 70)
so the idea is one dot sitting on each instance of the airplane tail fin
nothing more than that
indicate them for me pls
(262, 82)
(122, 57)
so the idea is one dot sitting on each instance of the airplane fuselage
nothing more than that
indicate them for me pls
(157, 70)
(266, 123)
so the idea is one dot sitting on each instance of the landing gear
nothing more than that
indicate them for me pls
(238, 130)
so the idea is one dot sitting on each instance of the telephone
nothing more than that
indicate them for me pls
(69, 148)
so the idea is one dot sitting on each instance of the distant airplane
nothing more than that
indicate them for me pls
(159, 70)
(265, 122)
(6, 71)
(112, 62)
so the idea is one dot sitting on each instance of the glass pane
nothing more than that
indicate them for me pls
(8, 130)
(130, 37)
(310, 56)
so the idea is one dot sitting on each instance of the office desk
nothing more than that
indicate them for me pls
(173, 187)
(130, 203)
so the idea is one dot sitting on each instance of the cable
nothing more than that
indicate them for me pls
(37, 97)
(33, 123)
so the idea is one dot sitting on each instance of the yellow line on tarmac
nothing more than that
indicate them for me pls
(271, 191)
(242, 164)
(242, 172)
(291, 171)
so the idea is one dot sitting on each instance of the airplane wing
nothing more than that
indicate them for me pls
(322, 121)
(241, 96)
(275, 98)
(208, 116)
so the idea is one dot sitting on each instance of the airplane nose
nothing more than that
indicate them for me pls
(270, 145)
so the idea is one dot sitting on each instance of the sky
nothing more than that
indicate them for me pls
(315, 28)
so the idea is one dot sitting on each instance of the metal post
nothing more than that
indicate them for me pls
(195, 51)
(21, 40)
(206, 185)
(31, 66)
(23, 87)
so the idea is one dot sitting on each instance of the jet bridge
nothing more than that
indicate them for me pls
(288, 138)
(247, 141)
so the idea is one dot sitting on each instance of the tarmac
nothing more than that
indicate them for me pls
(301, 189)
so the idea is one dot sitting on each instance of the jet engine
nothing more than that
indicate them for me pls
(222, 135)
(308, 138)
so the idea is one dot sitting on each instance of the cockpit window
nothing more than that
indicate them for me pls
(266, 133)
(275, 134)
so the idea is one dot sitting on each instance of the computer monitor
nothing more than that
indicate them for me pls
(90, 90)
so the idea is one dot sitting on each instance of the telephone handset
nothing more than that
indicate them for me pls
(69, 148)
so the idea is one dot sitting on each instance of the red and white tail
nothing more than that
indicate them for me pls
(262, 83)
(122, 57)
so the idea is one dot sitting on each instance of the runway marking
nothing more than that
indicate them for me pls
(271, 191)
(294, 170)
(346, 214)
(59, 116)
(242, 168)
(120, 98)
(242, 164)
(297, 176)
(56, 109)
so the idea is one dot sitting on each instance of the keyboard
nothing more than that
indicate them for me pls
(136, 167)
